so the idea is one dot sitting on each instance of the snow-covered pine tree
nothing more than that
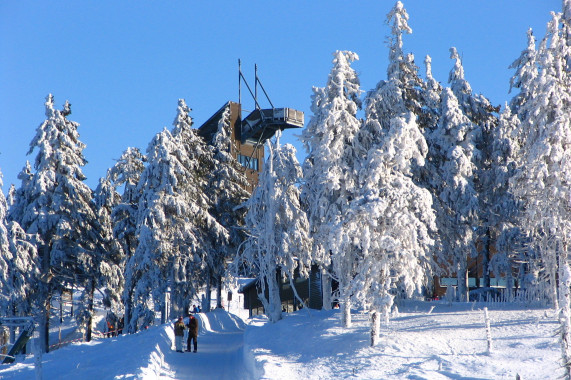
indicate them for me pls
(455, 148)
(126, 173)
(403, 89)
(211, 234)
(162, 227)
(330, 167)
(524, 78)
(508, 238)
(226, 189)
(19, 267)
(481, 113)
(59, 208)
(19, 198)
(541, 182)
(428, 176)
(174, 226)
(106, 199)
(388, 223)
(278, 241)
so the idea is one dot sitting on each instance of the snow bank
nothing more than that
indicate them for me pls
(139, 356)
(426, 340)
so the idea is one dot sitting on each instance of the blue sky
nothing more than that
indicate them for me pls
(124, 64)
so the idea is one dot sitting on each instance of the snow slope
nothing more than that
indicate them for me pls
(447, 342)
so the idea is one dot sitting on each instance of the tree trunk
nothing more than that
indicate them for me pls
(44, 323)
(565, 313)
(127, 314)
(90, 309)
(274, 300)
(219, 292)
(553, 285)
(346, 313)
(207, 300)
(326, 290)
(486, 258)
(463, 289)
(375, 327)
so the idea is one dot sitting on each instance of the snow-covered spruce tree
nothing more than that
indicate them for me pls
(481, 113)
(19, 198)
(402, 91)
(106, 199)
(524, 78)
(59, 208)
(428, 175)
(541, 183)
(388, 223)
(454, 141)
(162, 219)
(508, 239)
(278, 241)
(162, 215)
(226, 191)
(127, 172)
(207, 264)
(19, 266)
(329, 169)
(173, 224)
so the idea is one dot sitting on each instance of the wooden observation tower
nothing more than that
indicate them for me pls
(249, 133)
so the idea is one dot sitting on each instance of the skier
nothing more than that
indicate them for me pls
(179, 334)
(192, 332)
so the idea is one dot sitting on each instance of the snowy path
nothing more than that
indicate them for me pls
(220, 351)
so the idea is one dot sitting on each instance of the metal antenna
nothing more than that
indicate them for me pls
(239, 81)
(256, 82)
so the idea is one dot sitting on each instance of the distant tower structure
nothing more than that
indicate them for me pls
(249, 133)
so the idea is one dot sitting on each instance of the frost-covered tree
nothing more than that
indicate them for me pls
(542, 182)
(106, 198)
(330, 167)
(174, 226)
(524, 78)
(19, 266)
(161, 226)
(58, 207)
(508, 238)
(278, 241)
(19, 197)
(481, 113)
(388, 223)
(402, 91)
(207, 264)
(226, 189)
(126, 173)
(455, 148)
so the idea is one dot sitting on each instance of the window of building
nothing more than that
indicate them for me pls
(248, 162)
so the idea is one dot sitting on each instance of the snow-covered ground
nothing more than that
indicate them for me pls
(447, 342)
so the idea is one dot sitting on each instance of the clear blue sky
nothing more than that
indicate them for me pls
(124, 64)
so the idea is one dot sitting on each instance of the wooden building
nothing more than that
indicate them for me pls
(308, 289)
(249, 133)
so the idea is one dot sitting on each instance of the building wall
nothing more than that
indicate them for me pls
(247, 149)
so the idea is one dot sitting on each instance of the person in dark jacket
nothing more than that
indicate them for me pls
(192, 332)
(179, 334)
